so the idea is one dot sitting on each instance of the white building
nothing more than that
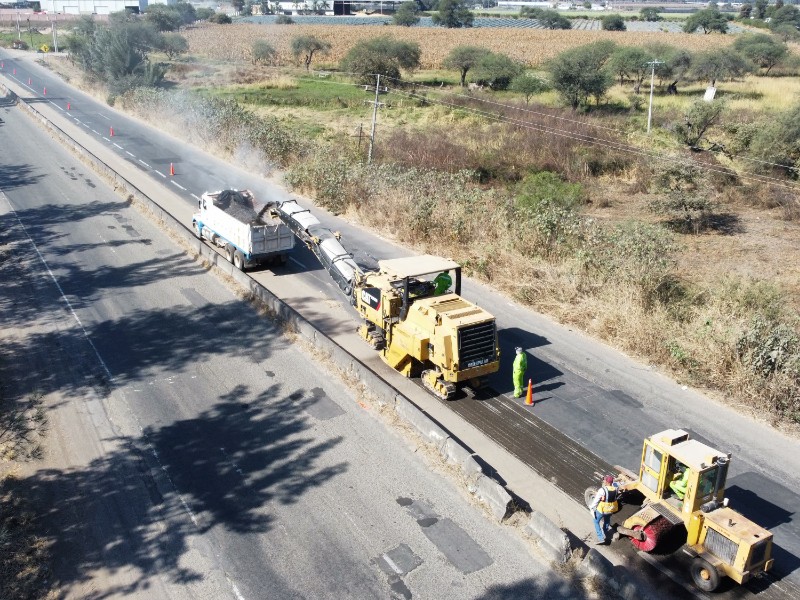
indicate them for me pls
(99, 7)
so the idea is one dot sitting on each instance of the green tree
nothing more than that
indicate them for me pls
(453, 14)
(684, 197)
(765, 51)
(708, 20)
(549, 19)
(407, 14)
(724, 63)
(528, 85)
(697, 120)
(220, 19)
(587, 5)
(173, 45)
(630, 62)
(581, 73)
(284, 20)
(761, 9)
(306, 46)
(464, 58)
(675, 62)
(263, 52)
(163, 17)
(746, 11)
(786, 33)
(496, 71)
(204, 14)
(786, 15)
(777, 140)
(238, 5)
(187, 12)
(649, 13)
(383, 56)
(613, 23)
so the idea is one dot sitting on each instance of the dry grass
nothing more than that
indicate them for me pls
(530, 46)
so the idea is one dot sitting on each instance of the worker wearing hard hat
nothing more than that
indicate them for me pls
(604, 504)
(520, 366)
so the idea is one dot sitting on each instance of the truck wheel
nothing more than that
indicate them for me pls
(238, 260)
(704, 575)
(229, 253)
(197, 230)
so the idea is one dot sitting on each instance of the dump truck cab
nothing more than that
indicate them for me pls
(683, 483)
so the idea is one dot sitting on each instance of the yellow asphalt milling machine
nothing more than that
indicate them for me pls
(443, 339)
(683, 484)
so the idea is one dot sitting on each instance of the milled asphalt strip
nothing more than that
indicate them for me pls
(58, 286)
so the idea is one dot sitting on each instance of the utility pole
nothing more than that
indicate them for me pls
(375, 105)
(19, 31)
(55, 37)
(653, 64)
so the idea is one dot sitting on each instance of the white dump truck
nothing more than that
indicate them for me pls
(235, 221)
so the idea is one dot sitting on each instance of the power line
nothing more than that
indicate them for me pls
(614, 144)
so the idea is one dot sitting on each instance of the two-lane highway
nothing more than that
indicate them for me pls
(194, 451)
(595, 397)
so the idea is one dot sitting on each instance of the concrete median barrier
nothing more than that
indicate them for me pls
(552, 539)
(422, 424)
(494, 496)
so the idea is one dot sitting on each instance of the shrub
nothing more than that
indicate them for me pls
(613, 23)
(284, 20)
(496, 71)
(382, 55)
(263, 52)
(220, 19)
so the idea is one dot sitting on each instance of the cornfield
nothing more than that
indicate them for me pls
(530, 46)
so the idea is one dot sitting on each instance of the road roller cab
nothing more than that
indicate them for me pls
(683, 484)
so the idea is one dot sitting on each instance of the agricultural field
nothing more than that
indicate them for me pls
(532, 47)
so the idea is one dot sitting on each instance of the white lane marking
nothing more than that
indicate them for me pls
(144, 163)
(118, 146)
(106, 139)
(57, 106)
(297, 262)
(176, 184)
(105, 241)
(195, 197)
(129, 154)
(235, 589)
(166, 474)
(160, 173)
(392, 564)
(87, 126)
(77, 120)
(105, 117)
(60, 290)
(95, 131)
(235, 466)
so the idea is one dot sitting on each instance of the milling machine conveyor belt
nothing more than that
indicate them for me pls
(323, 242)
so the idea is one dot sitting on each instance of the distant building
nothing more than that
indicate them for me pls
(97, 7)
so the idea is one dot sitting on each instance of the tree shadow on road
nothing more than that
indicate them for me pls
(17, 175)
(133, 511)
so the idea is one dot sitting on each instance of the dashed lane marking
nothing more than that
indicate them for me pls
(195, 197)
(60, 290)
(129, 154)
(105, 117)
(144, 163)
(118, 146)
(106, 139)
(95, 131)
(160, 173)
(176, 184)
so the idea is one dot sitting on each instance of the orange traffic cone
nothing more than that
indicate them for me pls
(529, 396)
(111, 132)
(171, 169)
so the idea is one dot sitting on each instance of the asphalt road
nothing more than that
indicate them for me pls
(596, 397)
(194, 451)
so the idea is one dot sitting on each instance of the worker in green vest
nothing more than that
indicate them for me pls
(520, 366)
(443, 282)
